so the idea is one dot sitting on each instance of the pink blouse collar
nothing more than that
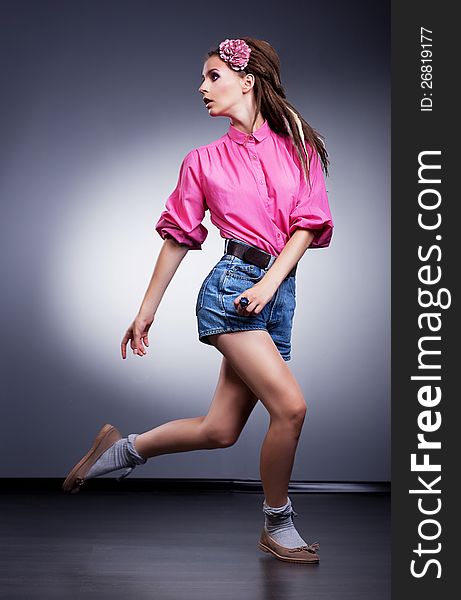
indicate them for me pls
(240, 137)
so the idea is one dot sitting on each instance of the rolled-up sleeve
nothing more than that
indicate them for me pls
(312, 210)
(185, 208)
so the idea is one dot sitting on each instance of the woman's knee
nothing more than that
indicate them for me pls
(219, 437)
(256, 359)
(291, 410)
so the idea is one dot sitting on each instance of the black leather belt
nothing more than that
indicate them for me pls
(252, 255)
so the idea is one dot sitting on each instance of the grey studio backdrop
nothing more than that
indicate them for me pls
(100, 105)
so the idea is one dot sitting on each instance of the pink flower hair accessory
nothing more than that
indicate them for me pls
(235, 52)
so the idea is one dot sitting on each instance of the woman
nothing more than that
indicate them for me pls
(263, 184)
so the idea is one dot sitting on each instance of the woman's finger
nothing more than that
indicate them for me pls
(251, 309)
(237, 301)
(125, 340)
(138, 347)
(245, 310)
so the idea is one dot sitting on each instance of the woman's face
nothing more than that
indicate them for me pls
(223, 86)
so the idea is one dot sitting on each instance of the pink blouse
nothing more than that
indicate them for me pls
(255, 190)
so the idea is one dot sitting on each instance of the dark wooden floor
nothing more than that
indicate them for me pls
(195, 546)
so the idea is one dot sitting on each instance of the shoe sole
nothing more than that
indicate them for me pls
(265, 548)
(108, 433)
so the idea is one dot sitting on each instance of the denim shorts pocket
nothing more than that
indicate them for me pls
(201, 294)
(247, 271)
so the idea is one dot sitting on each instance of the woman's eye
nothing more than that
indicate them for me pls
(212, 77)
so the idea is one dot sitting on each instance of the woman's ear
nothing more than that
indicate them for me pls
(248, 82)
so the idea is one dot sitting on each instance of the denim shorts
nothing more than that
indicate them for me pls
(230, 277)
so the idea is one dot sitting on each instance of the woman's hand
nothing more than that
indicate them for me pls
(258, 295)
(137, 333)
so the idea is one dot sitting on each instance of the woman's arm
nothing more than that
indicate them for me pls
(168, 261)
(262, 292)
(294, 249)
(169, 258)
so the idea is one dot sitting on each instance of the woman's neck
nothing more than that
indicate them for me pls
(244, 125)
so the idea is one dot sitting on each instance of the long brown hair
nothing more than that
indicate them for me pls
(271, 101)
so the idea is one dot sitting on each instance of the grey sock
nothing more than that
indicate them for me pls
(120, 455)
(279, 525)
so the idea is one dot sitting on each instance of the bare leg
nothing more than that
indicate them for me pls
(180, 435)
(254, 356)
(231, 406)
